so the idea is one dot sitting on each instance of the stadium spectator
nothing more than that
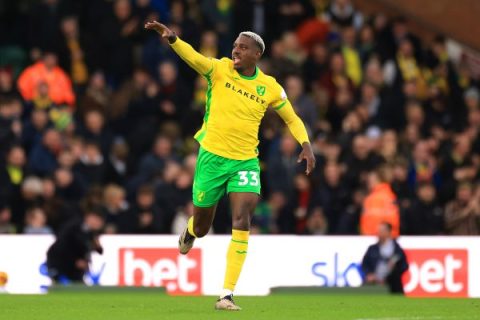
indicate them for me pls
(389, 145)
(291, 13)
(304, 105)
(10, 127)
(47, 71)
(280, 65)
(115, 207)
(73, 51)
(43, 157)
(316, 64)
(36, 222)
(153, 163)
(282, 167)
(91, 166)
(342, 13)
(30, 193)
(155, 51)
(360, 161)
(400, 32)
(218, 17)
(425, 216)
(58, 210)
(472, 98)
(94, 129)
(182, 18)
(380, 204)
(462, 215)
(335, 79)
(6, 227)
(70, 186)
(116, 37)
(7, 84)
(332, 197)
(117, 166)
(401, 188)
(173, 93)
(316, 223)
(303, 195)
(12, 174)
(385, 261)
(34, 128)
(423, 166)
(350, 220)
(144, 217)
(137, 105)
(97, 97)
(353, 64)
(367, 46)
(457, 166)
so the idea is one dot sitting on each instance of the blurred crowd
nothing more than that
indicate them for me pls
(97, 115)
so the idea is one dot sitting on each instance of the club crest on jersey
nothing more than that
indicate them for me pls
(261, 90)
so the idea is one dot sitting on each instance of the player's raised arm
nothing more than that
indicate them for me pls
(297, 128)
(198, 62)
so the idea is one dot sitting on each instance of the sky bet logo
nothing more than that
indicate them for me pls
(338, 272)
(157, 267)
(247, 94)
(432, 272)
(436, 273)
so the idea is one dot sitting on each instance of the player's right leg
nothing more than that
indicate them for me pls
(208, 187)
(198, 226)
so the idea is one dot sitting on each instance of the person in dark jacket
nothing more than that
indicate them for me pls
(145, 217)
(69, 256)
(385, 261)
(42, 160)
(425, 216)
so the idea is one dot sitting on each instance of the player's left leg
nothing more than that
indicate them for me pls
(244, 190)
(243, 206)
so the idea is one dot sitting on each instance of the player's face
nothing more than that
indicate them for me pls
(245, 53)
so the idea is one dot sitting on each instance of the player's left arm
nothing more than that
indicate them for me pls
(297, 128)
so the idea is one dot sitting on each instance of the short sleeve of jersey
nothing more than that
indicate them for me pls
(280, 98)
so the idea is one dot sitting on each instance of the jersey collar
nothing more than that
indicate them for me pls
(249, 78)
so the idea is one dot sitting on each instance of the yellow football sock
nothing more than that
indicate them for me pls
(237, 252)
(190, 227)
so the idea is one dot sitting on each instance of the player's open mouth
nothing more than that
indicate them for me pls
(236, 60)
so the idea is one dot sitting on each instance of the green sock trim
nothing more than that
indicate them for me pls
(241, 252)
(240, 241)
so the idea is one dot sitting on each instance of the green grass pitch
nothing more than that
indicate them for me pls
(156, 305)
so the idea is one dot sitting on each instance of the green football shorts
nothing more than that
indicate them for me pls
(215, 174)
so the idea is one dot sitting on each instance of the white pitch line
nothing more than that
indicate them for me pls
(403, 318)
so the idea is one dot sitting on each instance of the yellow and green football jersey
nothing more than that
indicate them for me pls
(236, 104)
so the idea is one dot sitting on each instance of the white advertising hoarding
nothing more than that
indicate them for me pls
(439, 266)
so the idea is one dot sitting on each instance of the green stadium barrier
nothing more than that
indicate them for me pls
(103, 289)
(370, 289)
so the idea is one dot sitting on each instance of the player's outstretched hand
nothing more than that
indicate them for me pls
(162, 29)
(307, 154)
